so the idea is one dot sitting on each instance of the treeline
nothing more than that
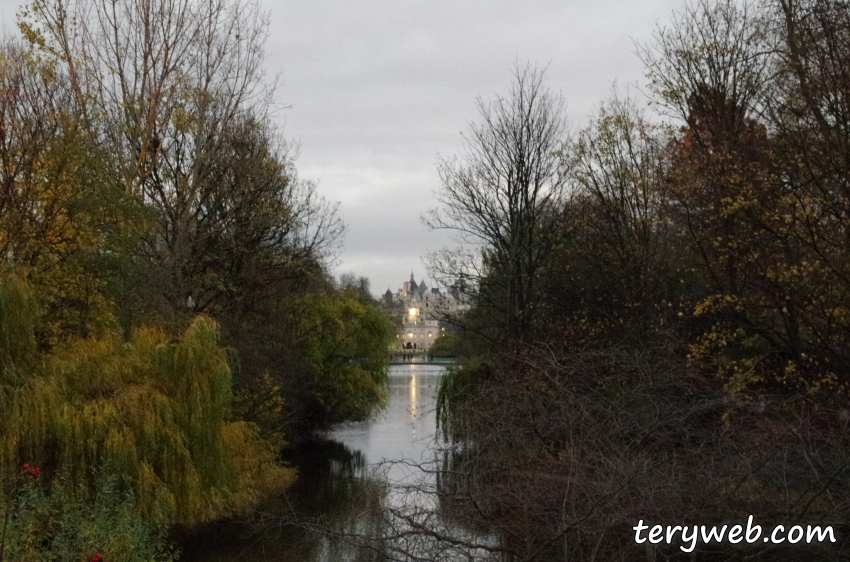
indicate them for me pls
(662, 298)
(167, 319)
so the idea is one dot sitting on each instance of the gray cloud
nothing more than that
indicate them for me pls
(380, 87)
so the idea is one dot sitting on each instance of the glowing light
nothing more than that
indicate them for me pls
(413, 397)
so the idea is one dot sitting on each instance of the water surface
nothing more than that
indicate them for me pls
(344, 480)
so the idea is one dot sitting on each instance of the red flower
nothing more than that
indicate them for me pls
(33, 471)
(96, 558)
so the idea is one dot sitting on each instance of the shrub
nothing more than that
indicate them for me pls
(47, 522)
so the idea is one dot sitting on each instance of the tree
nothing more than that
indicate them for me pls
(176, 93)
(502, 197)
(614, 258)
(344, 345)
(708, 65)
(153, 410)
(758, 181)
(138, 68)
(62, 221)
(809, 115)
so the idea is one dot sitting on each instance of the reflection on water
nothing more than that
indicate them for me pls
(405, 429)
(342, 483)
(412, 385)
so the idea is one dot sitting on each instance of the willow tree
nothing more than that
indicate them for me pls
(154, 411)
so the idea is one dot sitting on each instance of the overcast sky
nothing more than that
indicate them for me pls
(379, 88)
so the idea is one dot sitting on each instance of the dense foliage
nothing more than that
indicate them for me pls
(57, 525)
(685, 361)
(167, 319)
(346, 344)
(155, 412)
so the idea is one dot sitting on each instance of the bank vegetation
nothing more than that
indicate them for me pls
(167, 317)
(662, 297)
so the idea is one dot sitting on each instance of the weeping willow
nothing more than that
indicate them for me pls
(155, 410)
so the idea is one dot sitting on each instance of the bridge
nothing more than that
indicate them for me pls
(408, 357)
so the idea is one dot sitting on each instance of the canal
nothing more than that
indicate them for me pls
(345, 481)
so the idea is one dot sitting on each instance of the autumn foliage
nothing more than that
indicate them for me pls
(164, 278)
(155, 411)
(689, 361)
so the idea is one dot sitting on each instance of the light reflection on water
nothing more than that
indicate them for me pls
(412, 396)
(405, 430)
(339, 478)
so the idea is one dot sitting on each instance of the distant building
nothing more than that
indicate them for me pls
(422, 308)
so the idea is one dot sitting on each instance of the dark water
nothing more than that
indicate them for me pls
(344, 481)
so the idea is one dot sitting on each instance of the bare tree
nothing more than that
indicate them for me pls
(138, 67)
(502, 197)
(710, 64)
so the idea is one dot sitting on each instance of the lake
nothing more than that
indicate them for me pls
(345, 480)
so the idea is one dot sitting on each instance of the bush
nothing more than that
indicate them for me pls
(44, 522)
